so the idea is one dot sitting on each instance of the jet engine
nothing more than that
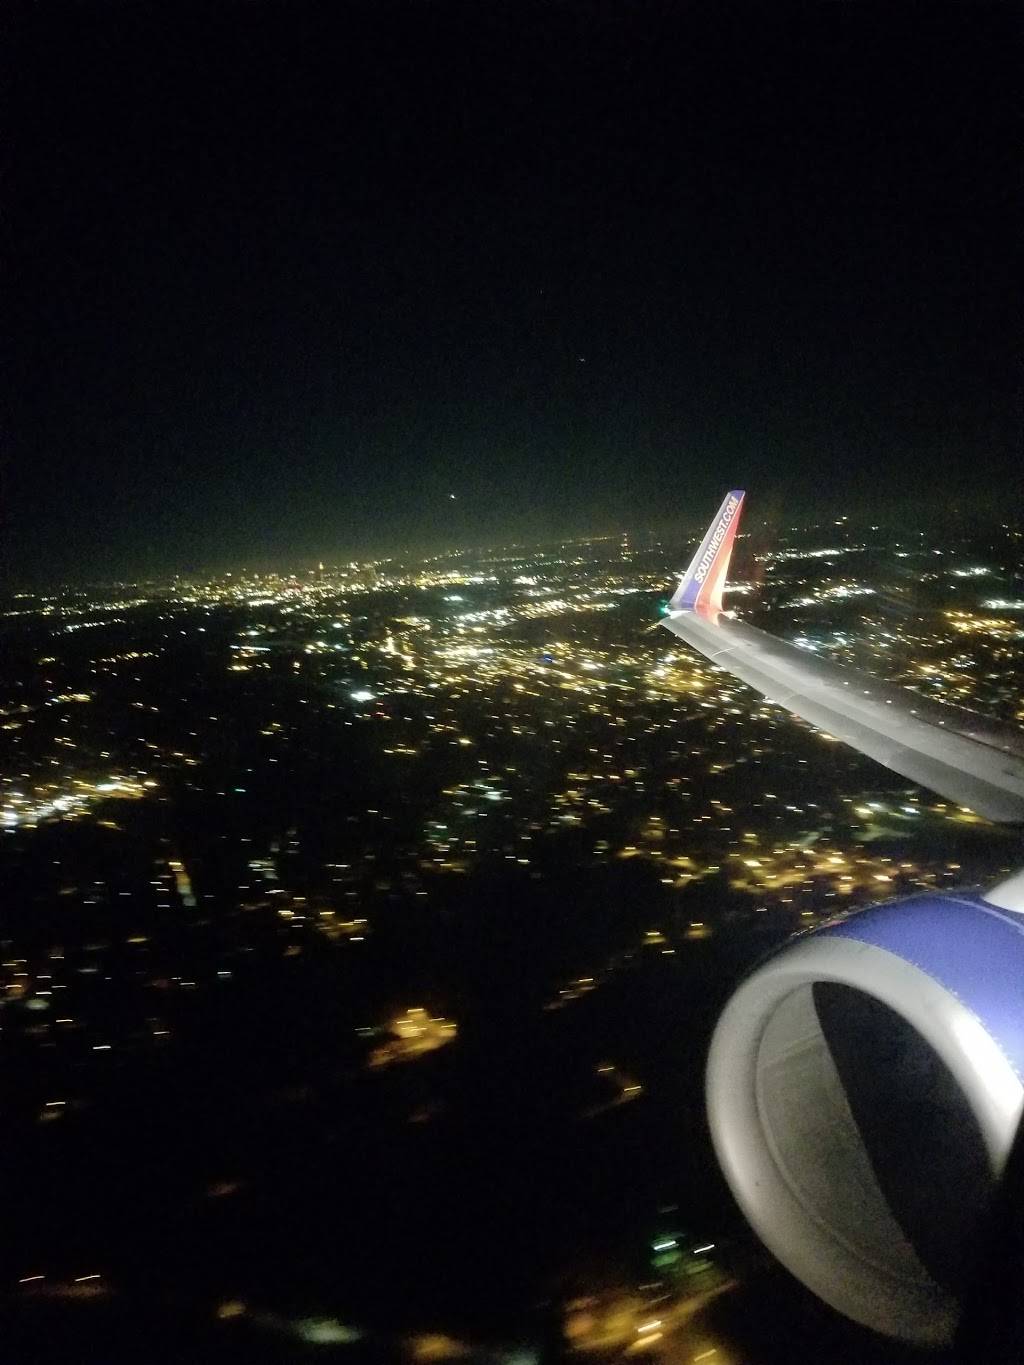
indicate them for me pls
(864, 1088)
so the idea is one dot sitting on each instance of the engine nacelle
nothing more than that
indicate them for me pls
(864, 1088)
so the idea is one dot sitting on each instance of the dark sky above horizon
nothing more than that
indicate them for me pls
(280, 278)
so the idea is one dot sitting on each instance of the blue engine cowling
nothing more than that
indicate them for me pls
(864, 1087)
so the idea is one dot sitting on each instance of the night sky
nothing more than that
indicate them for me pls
(280, 278)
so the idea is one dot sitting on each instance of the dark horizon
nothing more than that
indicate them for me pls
(289, 276)
(932, 516)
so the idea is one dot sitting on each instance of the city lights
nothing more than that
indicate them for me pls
(295, 781)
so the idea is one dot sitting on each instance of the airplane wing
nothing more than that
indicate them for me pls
(954, 752)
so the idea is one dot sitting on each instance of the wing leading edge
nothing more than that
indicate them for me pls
(954, 752)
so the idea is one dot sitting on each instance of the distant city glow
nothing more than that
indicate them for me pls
(287, 779)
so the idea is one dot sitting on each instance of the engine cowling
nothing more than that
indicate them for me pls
(864, 1087)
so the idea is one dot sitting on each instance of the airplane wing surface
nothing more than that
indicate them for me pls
(954, 752)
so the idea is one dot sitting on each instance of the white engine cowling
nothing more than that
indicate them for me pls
(864, 1087)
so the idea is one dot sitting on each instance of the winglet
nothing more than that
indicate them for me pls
(702, 585)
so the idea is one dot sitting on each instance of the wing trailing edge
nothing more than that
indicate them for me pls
(956, 753)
